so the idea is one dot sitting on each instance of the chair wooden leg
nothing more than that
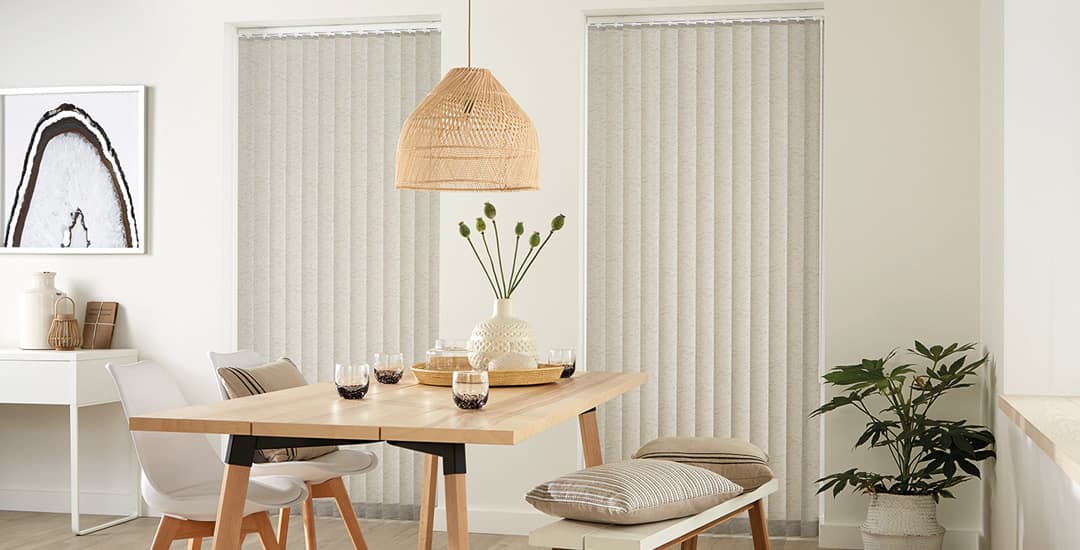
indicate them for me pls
(309, 523)
(265, 530)
(166, 533)
(689, 544)
(344, 506)
(427, 501)
(195, 543)
(759, 525)
(457, 512)
(590, 438)
(283, 527)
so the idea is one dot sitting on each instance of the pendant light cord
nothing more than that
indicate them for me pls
(468, 39)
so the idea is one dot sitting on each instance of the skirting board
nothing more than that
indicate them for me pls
(59, 502)
(832, 535)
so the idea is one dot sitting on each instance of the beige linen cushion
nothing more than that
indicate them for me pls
(740, 461)
(278, 375)
(632, 492)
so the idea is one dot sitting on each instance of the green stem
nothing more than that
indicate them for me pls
(526, 270)
(477, 254)
(513, 265)
(513, 281)
(498, 250)
(492, 260)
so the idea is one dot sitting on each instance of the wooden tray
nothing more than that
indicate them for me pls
(543, 374)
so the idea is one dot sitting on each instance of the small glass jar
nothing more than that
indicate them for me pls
(389, 367)
(448, 355)
(470, 389)
(352, 380)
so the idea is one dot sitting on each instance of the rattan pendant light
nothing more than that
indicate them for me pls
(468, 134)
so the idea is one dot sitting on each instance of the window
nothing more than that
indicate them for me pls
(330, 254)
(703, 236)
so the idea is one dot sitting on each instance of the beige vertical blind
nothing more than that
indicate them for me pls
(334, 263)
(703, 238)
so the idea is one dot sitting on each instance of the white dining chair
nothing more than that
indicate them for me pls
(323, 475)
(182, 474)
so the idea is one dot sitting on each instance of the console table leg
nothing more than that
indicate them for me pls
(73, 427)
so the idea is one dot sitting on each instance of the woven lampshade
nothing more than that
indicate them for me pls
(468, 135)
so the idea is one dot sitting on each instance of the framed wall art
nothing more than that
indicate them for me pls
(73, 170)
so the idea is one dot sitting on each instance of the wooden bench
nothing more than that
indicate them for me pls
(580, 535)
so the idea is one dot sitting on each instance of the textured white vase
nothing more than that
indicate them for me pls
(500, 334)
(36, 310)
(902, 522)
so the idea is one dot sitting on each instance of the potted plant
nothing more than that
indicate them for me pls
(932, 455)
(503, 333)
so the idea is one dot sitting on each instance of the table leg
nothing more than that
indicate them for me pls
(73, 427)
(230, 517)
(457, 512)
(590, 438)
(427, 501)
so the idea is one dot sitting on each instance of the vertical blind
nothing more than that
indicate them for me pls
(703, 208)
(334, 263)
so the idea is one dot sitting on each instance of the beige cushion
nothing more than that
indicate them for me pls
(632, 492)
(278, 375)
(740, 461)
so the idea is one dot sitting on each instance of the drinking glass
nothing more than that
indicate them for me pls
(470, 388)
(564, 358)
(352, 380)
(389, 367)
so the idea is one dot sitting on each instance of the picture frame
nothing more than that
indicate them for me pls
(73, 170)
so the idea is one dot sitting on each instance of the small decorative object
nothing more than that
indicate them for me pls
(98, 325)
(504, 333)
(36, 310)
(448, 355)
(389, 367)
(64, 334)
(931, 455)
(564, 357)
(74, 170)
(352, 380)
(512, 361)
(542, 374)
(470, 389)
(468, 134)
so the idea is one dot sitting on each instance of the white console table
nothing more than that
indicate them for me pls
(74, 379)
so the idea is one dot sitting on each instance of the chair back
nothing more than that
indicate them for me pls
(244, 359)
(171, 462)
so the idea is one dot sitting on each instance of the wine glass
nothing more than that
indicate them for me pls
(470, 388)
(565, 359)
(389, 367)
(352, 380)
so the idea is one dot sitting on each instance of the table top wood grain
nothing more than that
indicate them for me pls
(1052, 422)
(407, 411)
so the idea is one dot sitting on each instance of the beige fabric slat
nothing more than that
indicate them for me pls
(702, 238)
(328, 252)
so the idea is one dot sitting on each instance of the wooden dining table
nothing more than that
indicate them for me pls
(408, 415)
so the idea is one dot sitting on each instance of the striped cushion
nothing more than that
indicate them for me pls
(740, 461)
(632, 492)
(279, 375)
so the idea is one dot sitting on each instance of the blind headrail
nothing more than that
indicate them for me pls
(704, 19)
(338, 30)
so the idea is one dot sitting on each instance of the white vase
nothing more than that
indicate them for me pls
(36, 310)
(902, 522)
(500, 334)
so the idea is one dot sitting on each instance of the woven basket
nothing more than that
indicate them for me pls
(468, 135)
(902, 522)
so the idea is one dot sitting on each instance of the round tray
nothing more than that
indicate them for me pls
(542, 374)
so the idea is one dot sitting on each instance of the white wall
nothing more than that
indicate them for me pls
(1031, 303)
(900, 181)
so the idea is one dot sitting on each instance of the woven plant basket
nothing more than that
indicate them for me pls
(468, 135)
(902, 522)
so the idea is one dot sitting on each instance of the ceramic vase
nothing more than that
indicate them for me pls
(500, 334)
(902, 522)
(36, 310)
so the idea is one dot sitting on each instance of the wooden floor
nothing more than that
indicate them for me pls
(36, 531)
